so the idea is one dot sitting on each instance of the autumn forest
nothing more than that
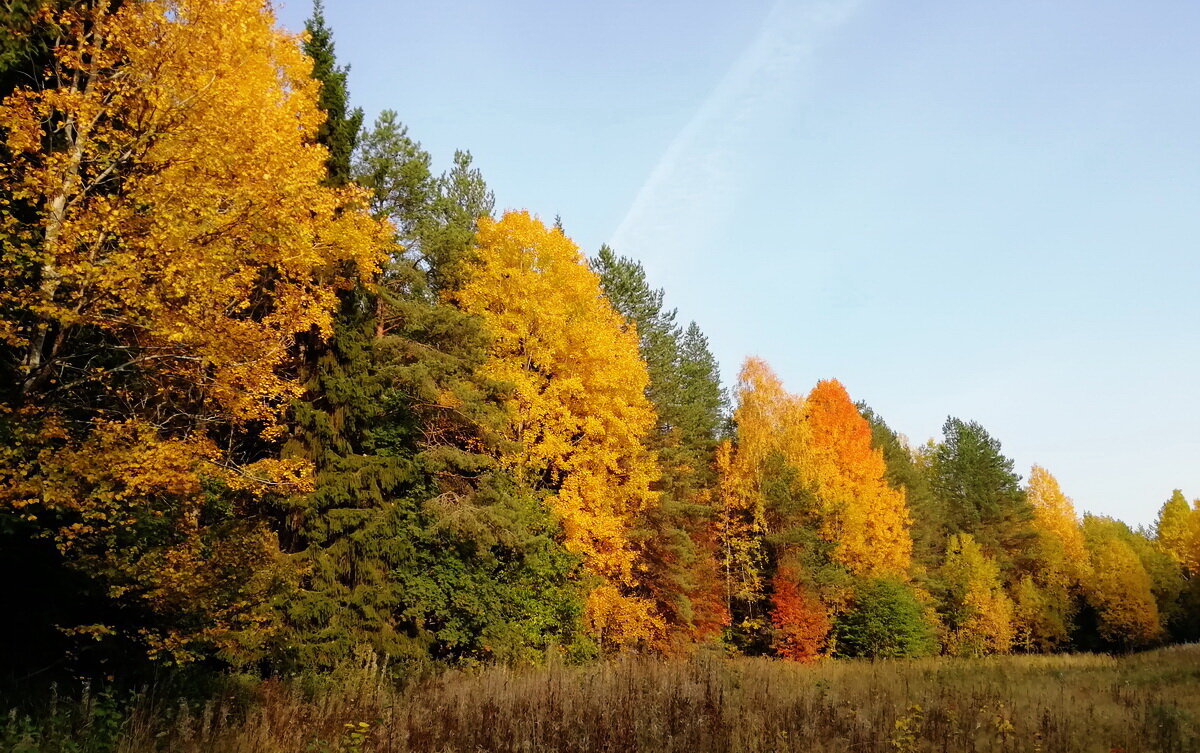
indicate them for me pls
(276, 399)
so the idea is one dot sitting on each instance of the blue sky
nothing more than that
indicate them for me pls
(987, 210)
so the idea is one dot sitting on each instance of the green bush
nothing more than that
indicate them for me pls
(886, 621)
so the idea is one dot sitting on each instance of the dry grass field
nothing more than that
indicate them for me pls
(1057, 704)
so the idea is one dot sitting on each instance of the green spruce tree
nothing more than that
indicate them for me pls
(626, 287)
(675, 536)
(981, 494)
(447, 238)
(339, 132)
(396, 171)
(704, 404)
(413, 545)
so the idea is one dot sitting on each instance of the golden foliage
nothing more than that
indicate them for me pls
(826, 444)
(1179, 531)
(180, 223)
(982, 618)
(1120, 591)
(769, 421)
(1055, 519)
(1039, 616)
(1046, 602)
(768, 417)
(578, 409)
(185, 210)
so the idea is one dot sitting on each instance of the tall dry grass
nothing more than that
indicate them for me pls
(1056, 704)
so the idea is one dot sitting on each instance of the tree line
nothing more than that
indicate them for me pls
(274, 394)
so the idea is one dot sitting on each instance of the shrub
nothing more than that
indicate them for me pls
(886, 621)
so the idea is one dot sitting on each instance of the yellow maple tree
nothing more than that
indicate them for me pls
(1178, 529)
(1055, 518)
(1119, 588)
(981, 613)
(769, 423)
(1046, 600)
(579, 415)
(164, 235)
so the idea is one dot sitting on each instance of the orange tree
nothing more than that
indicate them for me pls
(800, 620)
(866, 518)
(804, 490)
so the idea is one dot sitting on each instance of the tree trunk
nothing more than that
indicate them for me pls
(56, 213)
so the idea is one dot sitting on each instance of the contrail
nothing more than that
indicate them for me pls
(691, 188)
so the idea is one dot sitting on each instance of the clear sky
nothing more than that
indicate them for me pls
(986, 210)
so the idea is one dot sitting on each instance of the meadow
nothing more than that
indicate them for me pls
(1148, 702)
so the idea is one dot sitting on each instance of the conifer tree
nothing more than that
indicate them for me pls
(981, 494)
(489, 576)
(339, 132)
(929, 526)
(676, 535)
(684, 383)
(396, 170)
(413, 544)
(701, 422)
(446, 245)
(625, 286)
(328, 423)
(704, 402)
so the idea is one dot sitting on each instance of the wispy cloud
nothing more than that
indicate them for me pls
(693, 186)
